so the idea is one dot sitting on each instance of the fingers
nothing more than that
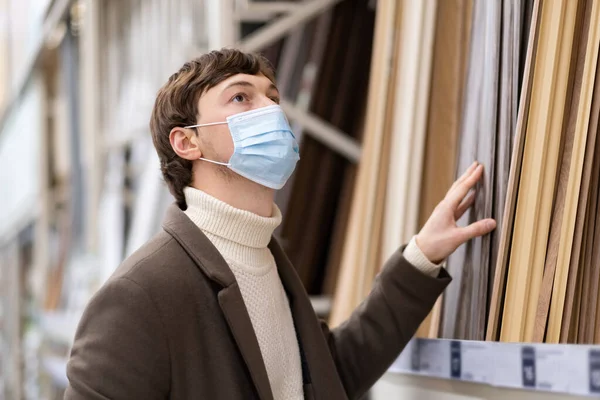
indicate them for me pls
(456, 195)
(464, 206)
(476, 229)
(468, 172)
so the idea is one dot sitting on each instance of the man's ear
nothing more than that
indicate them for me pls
(185, 143)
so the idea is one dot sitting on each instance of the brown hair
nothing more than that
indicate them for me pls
(177, 105)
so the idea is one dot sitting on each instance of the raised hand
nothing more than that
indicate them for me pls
(440, 235)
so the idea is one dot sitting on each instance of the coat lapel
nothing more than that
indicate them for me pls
(211, 263)
(234, 309)
(323, 374)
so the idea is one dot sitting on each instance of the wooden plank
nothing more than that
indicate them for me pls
(591, 167)
(454, 319)
(417, 133)
(584, 208)
(436, 314)
(593, 313)
(344, 84)
(416, 30)
(578, 58)
(309, 224)
(559, 295)
(578, 254)
(549, 177)
(585, 252)
(497, 297)
(486, 154)
(432, 328)
(589, 259)
(447, 77)
(540, 159)
(579, 318)
(577, 328)
(573, 332)
(596, 336)
(577, 322)
(370, 263)
(346, 195)
(365, 189)
(341, 225)
(373, 261)
(294, 208)
(576, 332)
(310, 181)
(478, 142)
(445, 104)
(578, 278)
(508, 107)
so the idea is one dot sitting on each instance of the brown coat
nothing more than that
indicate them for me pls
(171, 324)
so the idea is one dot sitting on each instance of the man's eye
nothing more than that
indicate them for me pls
(238, 98)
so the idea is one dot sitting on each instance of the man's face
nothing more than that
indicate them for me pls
(234, 95)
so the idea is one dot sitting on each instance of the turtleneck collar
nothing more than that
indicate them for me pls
(220, 219)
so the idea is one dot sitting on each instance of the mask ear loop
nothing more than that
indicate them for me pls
(200, 125)
(214, 162)
(208, 124)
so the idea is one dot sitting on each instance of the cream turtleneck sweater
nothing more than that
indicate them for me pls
(242, 238)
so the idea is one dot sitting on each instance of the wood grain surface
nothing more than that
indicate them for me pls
(540, 160)
(572, 103)
(506, 233)
(562, 298)
(357, 239)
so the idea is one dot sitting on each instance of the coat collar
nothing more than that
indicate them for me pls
(211, 263)
(326, 383)
(197, 246)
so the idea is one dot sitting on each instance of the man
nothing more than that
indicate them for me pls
(211, 308)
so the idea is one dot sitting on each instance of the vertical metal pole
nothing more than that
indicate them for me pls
(70, 62)
(90, 121)
(223, 28)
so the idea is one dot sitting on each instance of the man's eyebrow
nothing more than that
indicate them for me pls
(248, 84)
(273, 87)
(239, 83)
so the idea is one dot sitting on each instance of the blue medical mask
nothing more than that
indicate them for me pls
(264, 148)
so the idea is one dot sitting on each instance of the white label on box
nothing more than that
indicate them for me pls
(507, 365)
(577, 370)
(551, 368)
(434, 357)
(477, 365)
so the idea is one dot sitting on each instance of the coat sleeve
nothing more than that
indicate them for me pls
(120, 349)
(365, 345)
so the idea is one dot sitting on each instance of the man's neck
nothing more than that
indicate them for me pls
(239, 193)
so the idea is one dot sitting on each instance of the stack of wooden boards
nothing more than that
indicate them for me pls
(384, 211)
(488, 121)
(427, 88)
(548, 272)
(324, 68)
